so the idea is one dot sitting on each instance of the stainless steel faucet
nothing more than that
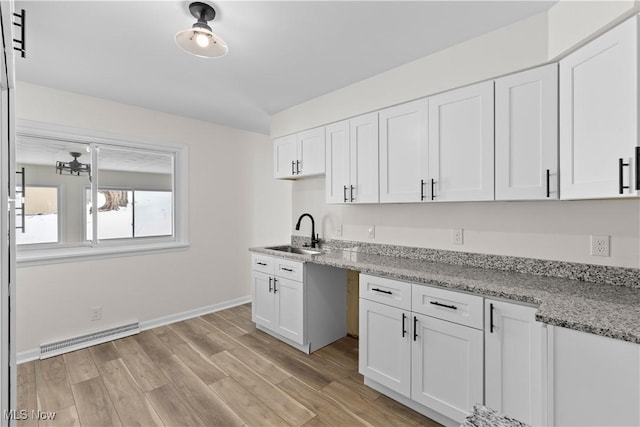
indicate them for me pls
(314, 237)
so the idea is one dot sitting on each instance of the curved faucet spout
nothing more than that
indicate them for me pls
(314, 236)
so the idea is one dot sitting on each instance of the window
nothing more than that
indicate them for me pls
(90, 195)
(37, 218)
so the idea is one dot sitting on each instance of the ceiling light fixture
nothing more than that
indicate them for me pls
(199, 40)
(74, 167)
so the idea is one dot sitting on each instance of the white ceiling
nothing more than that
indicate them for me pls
(280, 53)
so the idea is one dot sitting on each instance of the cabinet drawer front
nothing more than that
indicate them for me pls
(456, 307)
(386, 291)
(288, 269)
(262, 263)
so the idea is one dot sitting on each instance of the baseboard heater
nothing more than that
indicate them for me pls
(83, 341)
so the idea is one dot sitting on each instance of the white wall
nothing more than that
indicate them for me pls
(234, 204)
(546, 230)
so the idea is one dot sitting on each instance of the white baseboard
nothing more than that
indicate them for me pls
(34, 354)
(173, 318)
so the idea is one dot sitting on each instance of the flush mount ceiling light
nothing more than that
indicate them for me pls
(199, 40)
(74, 167)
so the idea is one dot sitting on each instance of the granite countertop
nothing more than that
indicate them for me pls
(598, 308)
(486, 417)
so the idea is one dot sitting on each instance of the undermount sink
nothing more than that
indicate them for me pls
(295, 250)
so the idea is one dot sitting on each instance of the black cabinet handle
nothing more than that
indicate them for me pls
(344, 193)
(270, 279)
(286, 269)
(351, 193)
(415, 328)
(382, 291)
(298, 167)
(637, 168)
(621, 186)
(404, 330)
(293, 167)
(491, 318)
(421, 189)
(261, 263)
(452, 307)
(274, 285)
(433, 189)
(548, 183)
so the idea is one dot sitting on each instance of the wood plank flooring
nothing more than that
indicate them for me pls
(213, 370)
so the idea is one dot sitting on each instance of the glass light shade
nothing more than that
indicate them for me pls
(202, 43)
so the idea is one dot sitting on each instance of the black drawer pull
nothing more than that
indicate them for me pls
(452, 307)
(270, 288)
(297, 167)
(286, 269)
(293, 167)
(637, 168)
(404, 331)
(344, 193)
(421, 189)
(433, 189)
(382, 291)
(415, 328)
(261, 263)
(351, 193)
(274, 285)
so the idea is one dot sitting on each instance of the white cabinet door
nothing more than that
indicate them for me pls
(599, 116)
(447, 366)
(403, 152)
(289, 299)
(461, 144)
(385, 345)
(311, 152)
(593, 380)
(364, 159)
(284, 157)
(515, 362)
(263, 307)
(527, 135)
(338, 162)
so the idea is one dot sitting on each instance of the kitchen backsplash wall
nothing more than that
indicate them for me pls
(548, 230)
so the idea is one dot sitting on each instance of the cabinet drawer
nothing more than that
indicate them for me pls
(288, 269)
(456, 307)
(386, 291)
(262, 263)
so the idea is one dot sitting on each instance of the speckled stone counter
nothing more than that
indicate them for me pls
(595, 307)
(485, 417)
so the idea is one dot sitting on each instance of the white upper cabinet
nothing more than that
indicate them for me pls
(299, 155)
(338, 162)
(461, 144)
(352, 160)
(403, 152)
(311, 152)
(599, 117)
(526, 108)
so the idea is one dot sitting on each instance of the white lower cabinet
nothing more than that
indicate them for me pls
(593, 380)
(446, 366)
(433, 365)
(385, 345)
(302, 304)
(515, 361)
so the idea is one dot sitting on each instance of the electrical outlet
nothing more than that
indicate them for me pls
(372, 231)
(96, 313)
(457, 236)
(599, 245)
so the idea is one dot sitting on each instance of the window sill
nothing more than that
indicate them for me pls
(28, 258)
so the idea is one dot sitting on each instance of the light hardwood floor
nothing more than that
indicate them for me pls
(213, 370)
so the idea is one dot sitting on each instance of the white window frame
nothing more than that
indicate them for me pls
(61, 220)
(60, 253)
